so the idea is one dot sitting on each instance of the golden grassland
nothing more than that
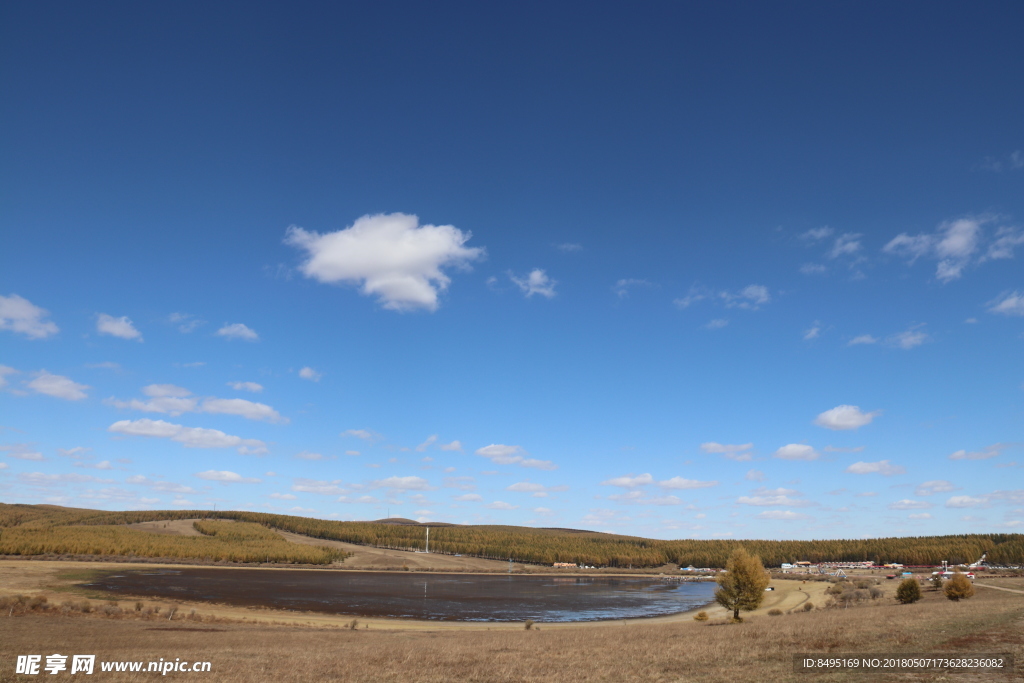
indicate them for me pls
(21, 525)
(308, 648)
(218, 541)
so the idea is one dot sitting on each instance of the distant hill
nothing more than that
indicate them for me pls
(39, 530)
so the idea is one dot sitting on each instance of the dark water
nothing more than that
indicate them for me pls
(456, 597)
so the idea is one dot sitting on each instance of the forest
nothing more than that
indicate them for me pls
(42, 529)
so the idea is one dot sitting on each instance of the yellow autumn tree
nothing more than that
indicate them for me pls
(741, 586)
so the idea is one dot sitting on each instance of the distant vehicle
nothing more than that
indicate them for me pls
(890, 576)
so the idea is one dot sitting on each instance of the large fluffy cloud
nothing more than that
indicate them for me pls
(845, 417)
(190, 437)
(117, 327)
(391, 256)
(174, 400)
(57, 386)
(20, 315)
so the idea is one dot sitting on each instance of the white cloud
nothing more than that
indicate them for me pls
(920, 515)
(501, 454)
(237, 331)
(845, 417)
(403, 484)
(862, 339)
(965, 502)
(159, 485)
(907, 504)
(782, 515)
(57, 386)
(569, 247)
(754, 475)
(226, 477)
(681, 483)
(796, 451)
(427, 443)
(282, 496)
(812, 269)
(817, 234)
(502, 505)
(732, 451)
(307, 455)
(813, 332)
(469, 498)
(1008, 303)
(751, 297)
(190, 437)
(536, 282)
(774, 497)
(629, 481)
(4, 371)
(22, 316)
(174, 400)
(954, 245)
(990, 452)
(1007, 239)
(101, 465)
(323, 488)
(242, 408)
(716, 324)
(246, 386)
(846, 244)
(390, 255)
(883, 467)
(186, 322)
(453, 446)
(843, 449)
(117, 327)
(934, 486)
(910, 338)
(364, 434)
(21, 451)
(310, 374)
(623, 286)
(41, 479)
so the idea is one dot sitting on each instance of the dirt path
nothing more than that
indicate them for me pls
(999, 588)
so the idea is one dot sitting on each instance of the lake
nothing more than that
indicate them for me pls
(452, 597)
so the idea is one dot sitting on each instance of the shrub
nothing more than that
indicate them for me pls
(138, 606)
(808, 606)
(529, 624)
(936, 582)
(700, 616)
(959, 588)
(875, 592)
(908, 591)
(775, 612)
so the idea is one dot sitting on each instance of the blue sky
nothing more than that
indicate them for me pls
(664, 270)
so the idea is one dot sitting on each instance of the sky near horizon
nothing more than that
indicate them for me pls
(722, 271)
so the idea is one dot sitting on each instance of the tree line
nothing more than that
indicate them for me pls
(547, 546)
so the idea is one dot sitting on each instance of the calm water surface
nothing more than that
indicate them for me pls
(457, 597)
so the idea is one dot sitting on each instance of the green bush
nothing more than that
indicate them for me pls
(908, 591)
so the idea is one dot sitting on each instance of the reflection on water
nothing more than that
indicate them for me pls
(461, 597)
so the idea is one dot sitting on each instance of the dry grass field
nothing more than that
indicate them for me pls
(247, 645)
